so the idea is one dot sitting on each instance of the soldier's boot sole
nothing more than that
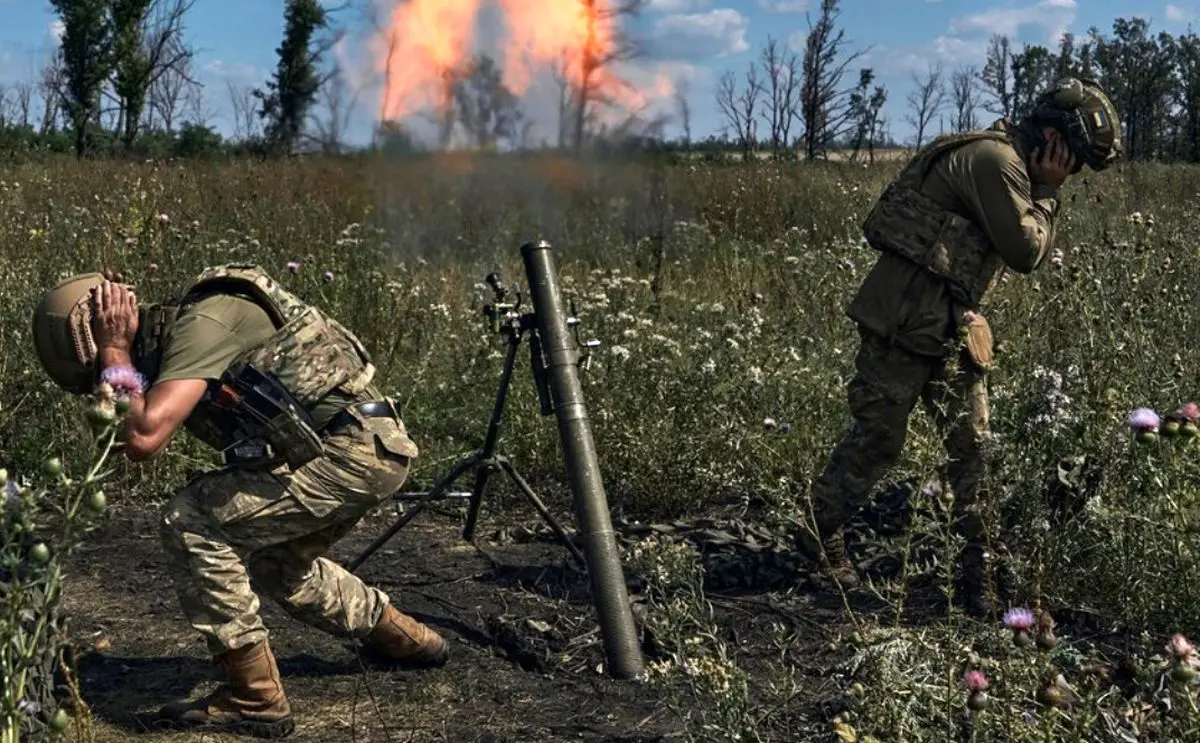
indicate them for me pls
(830, 554)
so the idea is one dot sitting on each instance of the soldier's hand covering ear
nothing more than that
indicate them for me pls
(114, 316)
(1052, 162)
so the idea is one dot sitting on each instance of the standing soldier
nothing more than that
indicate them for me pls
(285, 393)
(966, 207)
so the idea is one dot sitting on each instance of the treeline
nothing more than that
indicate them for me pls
(123, 80)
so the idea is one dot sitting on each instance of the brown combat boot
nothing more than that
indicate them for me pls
(251, 701)
(830, 554)
(398, 639)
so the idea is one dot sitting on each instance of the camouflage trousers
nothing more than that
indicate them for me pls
(886, 387)
(233, 533)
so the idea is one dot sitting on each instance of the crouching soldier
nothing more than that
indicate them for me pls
(966, 207)
(309, 447)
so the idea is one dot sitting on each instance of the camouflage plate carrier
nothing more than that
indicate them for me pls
(260, 410)
(906, 222)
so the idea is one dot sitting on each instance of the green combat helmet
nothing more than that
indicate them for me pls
(62, 333)
(1080, 109)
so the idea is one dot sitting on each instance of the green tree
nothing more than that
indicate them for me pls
(293, 88)
(86, 54)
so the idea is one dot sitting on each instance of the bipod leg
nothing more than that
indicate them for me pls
(548, 517)
(442, 485)
(493, 433)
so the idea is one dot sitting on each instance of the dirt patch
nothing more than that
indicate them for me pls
(526, 659)
(526, 655)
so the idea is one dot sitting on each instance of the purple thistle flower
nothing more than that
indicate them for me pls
(124, 379)
(329, 275)
(975, 681)
(1018, 619)
(1144, 420)
(293, 267)
(1189, 412)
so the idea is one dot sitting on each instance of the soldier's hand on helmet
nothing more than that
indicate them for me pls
(1052, 163)
(112, 275)
(114, 316)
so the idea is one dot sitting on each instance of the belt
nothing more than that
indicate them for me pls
(343, 418)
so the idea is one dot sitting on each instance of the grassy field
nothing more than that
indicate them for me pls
(718, 294)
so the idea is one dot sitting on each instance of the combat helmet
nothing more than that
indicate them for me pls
(1083, 112)
(62, 333)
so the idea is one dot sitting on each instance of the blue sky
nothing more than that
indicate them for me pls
(688, 40)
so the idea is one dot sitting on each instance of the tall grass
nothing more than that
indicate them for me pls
(718, 294)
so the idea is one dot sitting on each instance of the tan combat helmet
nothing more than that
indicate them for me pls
(1080, 108)
(62, 333)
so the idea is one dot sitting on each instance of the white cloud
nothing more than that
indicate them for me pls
(1176, 14)
(1054, 16)
(797, 41)
(238, 72)
(699, 36)
(784, 6)
(57, 29)
(678, 6)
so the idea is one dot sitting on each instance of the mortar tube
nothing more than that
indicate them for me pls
(617, 628)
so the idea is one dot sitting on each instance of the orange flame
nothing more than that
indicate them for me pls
(427, 38)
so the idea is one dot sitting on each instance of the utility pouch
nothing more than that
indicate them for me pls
(977, 338)
(271, 424)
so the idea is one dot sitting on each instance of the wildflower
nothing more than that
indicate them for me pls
(328, 276)
(293, 267)
(1189, 419)
(1185, 660)
(124, 380)
(1144, 423)
(976, 684)
(1056, 258)
(768, 422)
(1019, 621)
(975, 681)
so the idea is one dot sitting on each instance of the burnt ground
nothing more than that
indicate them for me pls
(526, 652)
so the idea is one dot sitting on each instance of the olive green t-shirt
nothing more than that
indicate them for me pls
(210, 334)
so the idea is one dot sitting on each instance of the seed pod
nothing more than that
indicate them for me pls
(977, 701)
(59, 720)
(39, 553)
(53, 466)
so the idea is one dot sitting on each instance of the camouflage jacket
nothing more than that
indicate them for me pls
(960, 212)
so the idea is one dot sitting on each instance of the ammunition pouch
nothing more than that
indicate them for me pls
(907, 223)
(269, 424)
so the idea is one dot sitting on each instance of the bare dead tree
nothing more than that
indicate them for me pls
(823, 105)
(337, 99)
(781, 69)
(592, 81)
(739, 106)
(962, 93)
(23, 102)
(150, 43)
(245, 111)
(684, 107)
(51, 88)
(173, 88)
(926, 100)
